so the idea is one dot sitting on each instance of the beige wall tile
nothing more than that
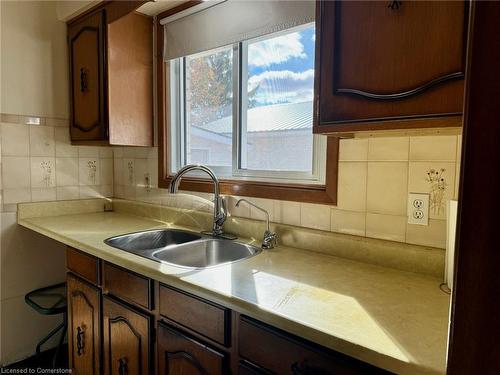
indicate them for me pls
(432, 235)
(353, 149)
(7, 117)
(43, 172)
(387, 227)
(266, 204)
(105, 152)
(59, 122)
(388, 148)
(67, 192)
(316, 216)
(286, 212)
(89, 192)
(117, 152)
(43, 194)
(17, 195)
(66, 171)
(42, 141)
(15, 172)
(129, 152)
(142, 152)
(418, 183)
(440, 147)
(129, 172)
(118, 171)
(106, 191)
(89, 171)
(387, 187)
(140, 171)
(88, 151)
(15, 140)
(243, 210)
(349, 222)
(352, 186)
(106, 177)
(63, 143)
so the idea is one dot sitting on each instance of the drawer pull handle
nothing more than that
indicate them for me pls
(395, 5)
(83, 79)
(80, 340)
(122, 367)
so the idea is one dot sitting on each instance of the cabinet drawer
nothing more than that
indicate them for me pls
(180, 354)
(206, 318)
(84, 265)
(282, 353)
(127, 285)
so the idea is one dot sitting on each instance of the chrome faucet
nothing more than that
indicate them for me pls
(270, 239)
(219, 209)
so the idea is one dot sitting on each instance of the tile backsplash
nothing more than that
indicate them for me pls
(40, 164)
(375, 176)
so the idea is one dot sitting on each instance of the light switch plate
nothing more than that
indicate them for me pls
(418, 208)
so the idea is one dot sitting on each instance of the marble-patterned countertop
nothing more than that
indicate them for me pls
(392, 319)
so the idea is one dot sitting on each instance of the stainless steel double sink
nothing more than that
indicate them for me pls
(183, 248)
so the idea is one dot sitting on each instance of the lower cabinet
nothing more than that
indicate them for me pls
(180, 354)
(118, 325)
(127, 339)
(84, 339)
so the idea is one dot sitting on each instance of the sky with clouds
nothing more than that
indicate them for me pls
(283, 68)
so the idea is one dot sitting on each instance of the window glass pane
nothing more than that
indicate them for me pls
(277, 133)
(208, 95)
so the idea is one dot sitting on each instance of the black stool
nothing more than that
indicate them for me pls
(50, 300)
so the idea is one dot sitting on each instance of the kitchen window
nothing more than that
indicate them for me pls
(250, 105)
(238, 97)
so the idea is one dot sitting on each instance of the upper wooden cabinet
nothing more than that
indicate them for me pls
(111, 79)
(389, 64)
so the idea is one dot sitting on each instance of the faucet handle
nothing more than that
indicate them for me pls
(270, 240)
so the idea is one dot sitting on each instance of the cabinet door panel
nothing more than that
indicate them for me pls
(86, 49)
(389, 60)
(179, 354)
(126, 339)
(83, 326)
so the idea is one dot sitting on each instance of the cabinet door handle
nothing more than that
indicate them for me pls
(80, 340)
(83, 79)
(122, 366)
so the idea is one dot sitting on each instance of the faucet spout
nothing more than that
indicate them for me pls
(219, 211)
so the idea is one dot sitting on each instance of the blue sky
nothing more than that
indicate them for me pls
(283, 67)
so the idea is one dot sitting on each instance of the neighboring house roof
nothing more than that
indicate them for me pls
(289, 116)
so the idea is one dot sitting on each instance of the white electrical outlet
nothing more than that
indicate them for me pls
(418, 208)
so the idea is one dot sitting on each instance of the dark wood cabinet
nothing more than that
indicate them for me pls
(389, 64)
(119, 321)
(83, 326)
(281, 353)
(126, 339)
(111, 77)
(180, 354)
(86, 52)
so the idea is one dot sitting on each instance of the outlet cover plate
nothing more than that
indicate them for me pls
(418, 208)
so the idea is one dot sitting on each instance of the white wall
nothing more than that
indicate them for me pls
(34, 59)
(33, 82)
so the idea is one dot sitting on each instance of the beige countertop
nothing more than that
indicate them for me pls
(393, 319)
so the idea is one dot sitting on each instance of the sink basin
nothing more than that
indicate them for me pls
(182, 248)
(207, 253)
(151, 240)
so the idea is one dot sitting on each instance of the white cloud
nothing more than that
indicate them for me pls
(276, 50)
(283, 86)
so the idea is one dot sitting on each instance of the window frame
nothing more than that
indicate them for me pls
(301, 192)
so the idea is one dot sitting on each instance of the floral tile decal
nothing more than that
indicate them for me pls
(130, 167)
(47, 169)
(91, 170)
(437, 181)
